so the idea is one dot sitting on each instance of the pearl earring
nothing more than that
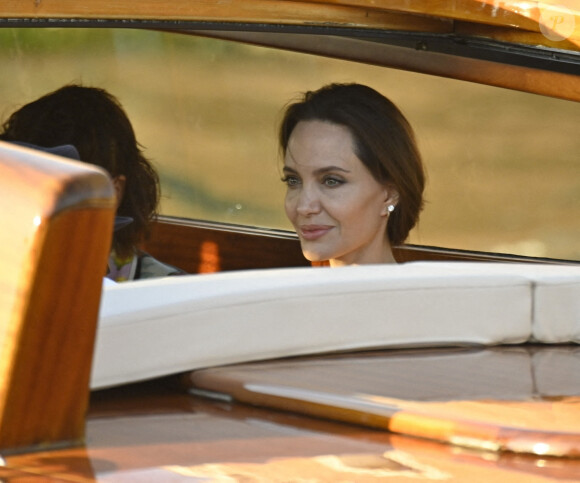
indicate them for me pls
(391, 208)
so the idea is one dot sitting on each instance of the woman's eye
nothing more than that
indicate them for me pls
(332, 182)
(291, 181)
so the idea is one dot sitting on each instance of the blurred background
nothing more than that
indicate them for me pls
(503, 166)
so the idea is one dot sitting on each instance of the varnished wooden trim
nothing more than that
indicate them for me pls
(58, 221)
(409, 253)
(509, 23)
(308, 11)
(493, 73)
(424, 15)
(202, 246)
(254, 11)
(462, 421)
(512, 35)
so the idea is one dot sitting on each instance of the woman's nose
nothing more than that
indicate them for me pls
(308, 202)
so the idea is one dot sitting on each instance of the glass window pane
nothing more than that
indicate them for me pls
(503, 166)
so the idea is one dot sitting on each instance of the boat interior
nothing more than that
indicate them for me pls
(57, 226)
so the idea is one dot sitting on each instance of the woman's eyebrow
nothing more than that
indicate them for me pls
(319, 171)
(327, 169)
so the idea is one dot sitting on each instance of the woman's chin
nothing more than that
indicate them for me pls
(314, 256)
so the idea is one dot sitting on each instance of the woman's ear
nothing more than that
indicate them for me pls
(119, 185)
(391, 199)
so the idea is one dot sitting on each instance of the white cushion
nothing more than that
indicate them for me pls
(556, 295)
(557, 306)
(160, 326)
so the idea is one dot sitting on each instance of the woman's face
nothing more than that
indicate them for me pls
(337, 207)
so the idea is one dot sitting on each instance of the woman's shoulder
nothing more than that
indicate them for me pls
(150, 267)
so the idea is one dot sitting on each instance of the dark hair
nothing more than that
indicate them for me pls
(383, 140)
(94, 122)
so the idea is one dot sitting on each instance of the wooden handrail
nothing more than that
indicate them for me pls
(57, 221)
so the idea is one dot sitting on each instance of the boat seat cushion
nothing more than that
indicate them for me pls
(555, 295)
(156, 327)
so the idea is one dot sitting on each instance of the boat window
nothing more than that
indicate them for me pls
(502, 165)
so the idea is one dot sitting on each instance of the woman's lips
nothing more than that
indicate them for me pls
(313, 232)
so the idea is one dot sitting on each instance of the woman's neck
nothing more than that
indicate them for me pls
(384, 256)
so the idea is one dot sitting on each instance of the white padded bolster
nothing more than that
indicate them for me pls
(555, 294)
(157, 327)
(557, 307)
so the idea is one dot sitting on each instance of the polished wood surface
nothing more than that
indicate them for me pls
(155, 431)
(204, 247)
(478, 33)
(353, 13)
(524, 399)
(494, 73)
(553, 19)
(57, 224)
(410, 253)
